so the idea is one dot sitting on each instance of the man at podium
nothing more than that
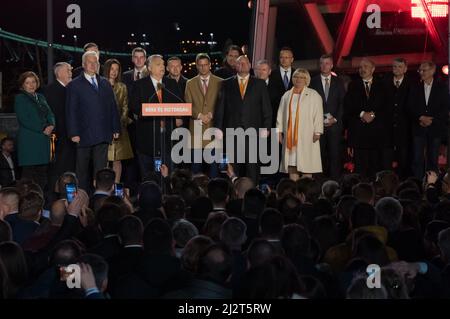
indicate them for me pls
(153, 133)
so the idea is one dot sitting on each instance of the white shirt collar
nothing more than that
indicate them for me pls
(205, 78)
(61, 83)
(282, 70)
(245, 77)
(267, 81)
(401, 80)
(370, 81)
(428, 85)
(89, 78)
(155, 82)
(325, 77)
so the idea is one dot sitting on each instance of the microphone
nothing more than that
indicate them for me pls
(163, 87)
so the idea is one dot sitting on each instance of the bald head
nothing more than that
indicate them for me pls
(243, 66)
(57, 213)
(9, 201)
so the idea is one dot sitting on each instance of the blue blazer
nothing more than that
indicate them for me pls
(90, 114)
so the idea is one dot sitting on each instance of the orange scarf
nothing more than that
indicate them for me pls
(291, 142)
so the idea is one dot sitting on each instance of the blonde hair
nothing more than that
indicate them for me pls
(305, 72)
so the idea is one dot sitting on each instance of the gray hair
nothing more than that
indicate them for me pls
(264, 61)
(389, 213)
(233, 232)
(153, 56)
(183, 231)
(89, 53)
(330, 189)
(58, 66)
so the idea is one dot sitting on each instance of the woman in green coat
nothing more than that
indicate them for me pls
(36, 124)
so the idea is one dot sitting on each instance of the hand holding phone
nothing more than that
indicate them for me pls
(223, 165)
(158, 164)
(71, 191)
(118, 189)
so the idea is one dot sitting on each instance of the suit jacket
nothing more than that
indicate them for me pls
(65, 150)
(225, 71)
(276, 85)
(253, 111)
(438, 108)
(335, 102)
(22, 229)
(274, 101)
(181, 84)
(144, 92)
(360, 134)
(398, 123)
(91, 114)
(201, 103)
(6, 176)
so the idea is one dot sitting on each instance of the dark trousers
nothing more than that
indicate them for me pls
(99, 156)
(37, 173)
(331, 152)
(247, 169)
(426, 154)
(367, 161)
(399, 154)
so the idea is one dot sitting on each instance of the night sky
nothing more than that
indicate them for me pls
(111, 22)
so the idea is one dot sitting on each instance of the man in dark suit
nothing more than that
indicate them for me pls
(397, 121)
(332, 91)
(154, 89)
(244, 103)
(280, 79)
(429, 106)
(364, 109)
(92, 118)
(65, 149)
(131, 167)
(8, 171)
(174, 67)
(263, 71)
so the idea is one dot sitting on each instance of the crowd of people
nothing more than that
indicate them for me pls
(145, 227)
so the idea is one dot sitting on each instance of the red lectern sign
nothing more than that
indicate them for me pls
(166, 109)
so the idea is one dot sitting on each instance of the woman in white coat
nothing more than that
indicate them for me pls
(300, 124)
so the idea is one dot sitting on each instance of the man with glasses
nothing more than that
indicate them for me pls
(428, 105)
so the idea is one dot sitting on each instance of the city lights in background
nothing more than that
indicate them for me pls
(445, 69)
(438, 8)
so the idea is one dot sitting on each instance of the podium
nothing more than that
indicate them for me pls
(162, 111)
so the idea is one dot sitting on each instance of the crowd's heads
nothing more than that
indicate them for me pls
(155, 66)
(286, 186)
(389, 213)
(366, 68)
(359, 290)
(295, 241)
(192, 251)
(444, 244)
(242, 185)
(150, 196)
(104, 179)
(9, 201)
(271, 223)
(13, 258)
(399, 67)
(290, 208)
(7, 145)
(66, 178)
(158, 237)
(130, 230)
(363, 214)
(218, 191)
(364, 193)
(259, 252)
(65, 253)
(108, 217)
(213, 225)
(215, 264)
(254, 203)
(309, 189)
(331, 190)
(301, 78)
(326, 64)
(183, 231)
(243, 65)
(263, 69)
(99, 269)
(174, 207)
(427, 70)
(58, 212)
(233, 233)
(31, 206)
(90, 61)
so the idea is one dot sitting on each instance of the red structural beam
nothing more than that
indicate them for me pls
(348, 30)
(321, 28)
